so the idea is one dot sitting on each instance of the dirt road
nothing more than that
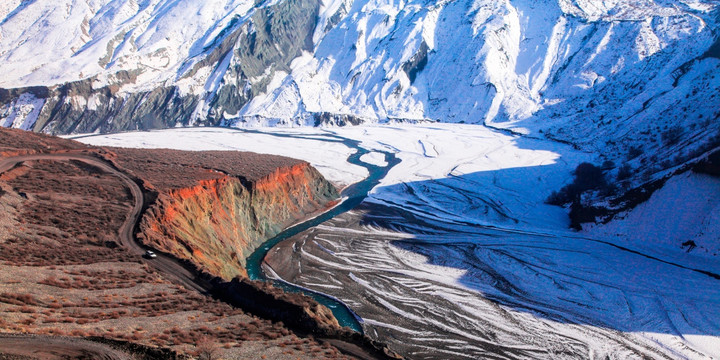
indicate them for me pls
(171, 268)
(168, 266)
(45, 347)
(51, 348)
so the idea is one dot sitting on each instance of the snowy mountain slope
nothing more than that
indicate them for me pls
(661, 223)
(114, 65)
(50, 43)
(495, 60)
(620, 78)
(7, 6)
(501, 62)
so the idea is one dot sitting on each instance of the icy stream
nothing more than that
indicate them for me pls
(352, 196)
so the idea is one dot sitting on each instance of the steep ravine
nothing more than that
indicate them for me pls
(217, 223)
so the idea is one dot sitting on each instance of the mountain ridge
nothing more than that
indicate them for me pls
(632, 81)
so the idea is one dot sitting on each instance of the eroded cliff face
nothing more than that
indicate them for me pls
(217, 223)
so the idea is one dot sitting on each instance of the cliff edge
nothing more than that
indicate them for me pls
(216, 215)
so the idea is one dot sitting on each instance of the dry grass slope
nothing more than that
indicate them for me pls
(63, 273)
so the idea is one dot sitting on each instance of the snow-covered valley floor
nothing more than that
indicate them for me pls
(454, 254)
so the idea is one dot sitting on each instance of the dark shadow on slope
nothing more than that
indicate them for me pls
(17, 10)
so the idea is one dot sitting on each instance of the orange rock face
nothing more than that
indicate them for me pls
(213, 208)
(219, 222)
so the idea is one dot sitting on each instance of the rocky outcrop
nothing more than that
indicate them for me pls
(417, 62)
(244, 57)
(267, 44)
(79, 107)
(218, 222)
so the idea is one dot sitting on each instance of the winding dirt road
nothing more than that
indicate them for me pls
(169, 267)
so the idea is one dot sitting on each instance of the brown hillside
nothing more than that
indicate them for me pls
(64, 272)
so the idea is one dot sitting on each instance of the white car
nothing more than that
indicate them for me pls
(150, 255)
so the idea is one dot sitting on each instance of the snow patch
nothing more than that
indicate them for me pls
(328, 157)
(374, 158)
(23, 112)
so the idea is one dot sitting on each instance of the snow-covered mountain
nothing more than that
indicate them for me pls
(612, 76)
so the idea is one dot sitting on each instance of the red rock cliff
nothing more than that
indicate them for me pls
(218, 222)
